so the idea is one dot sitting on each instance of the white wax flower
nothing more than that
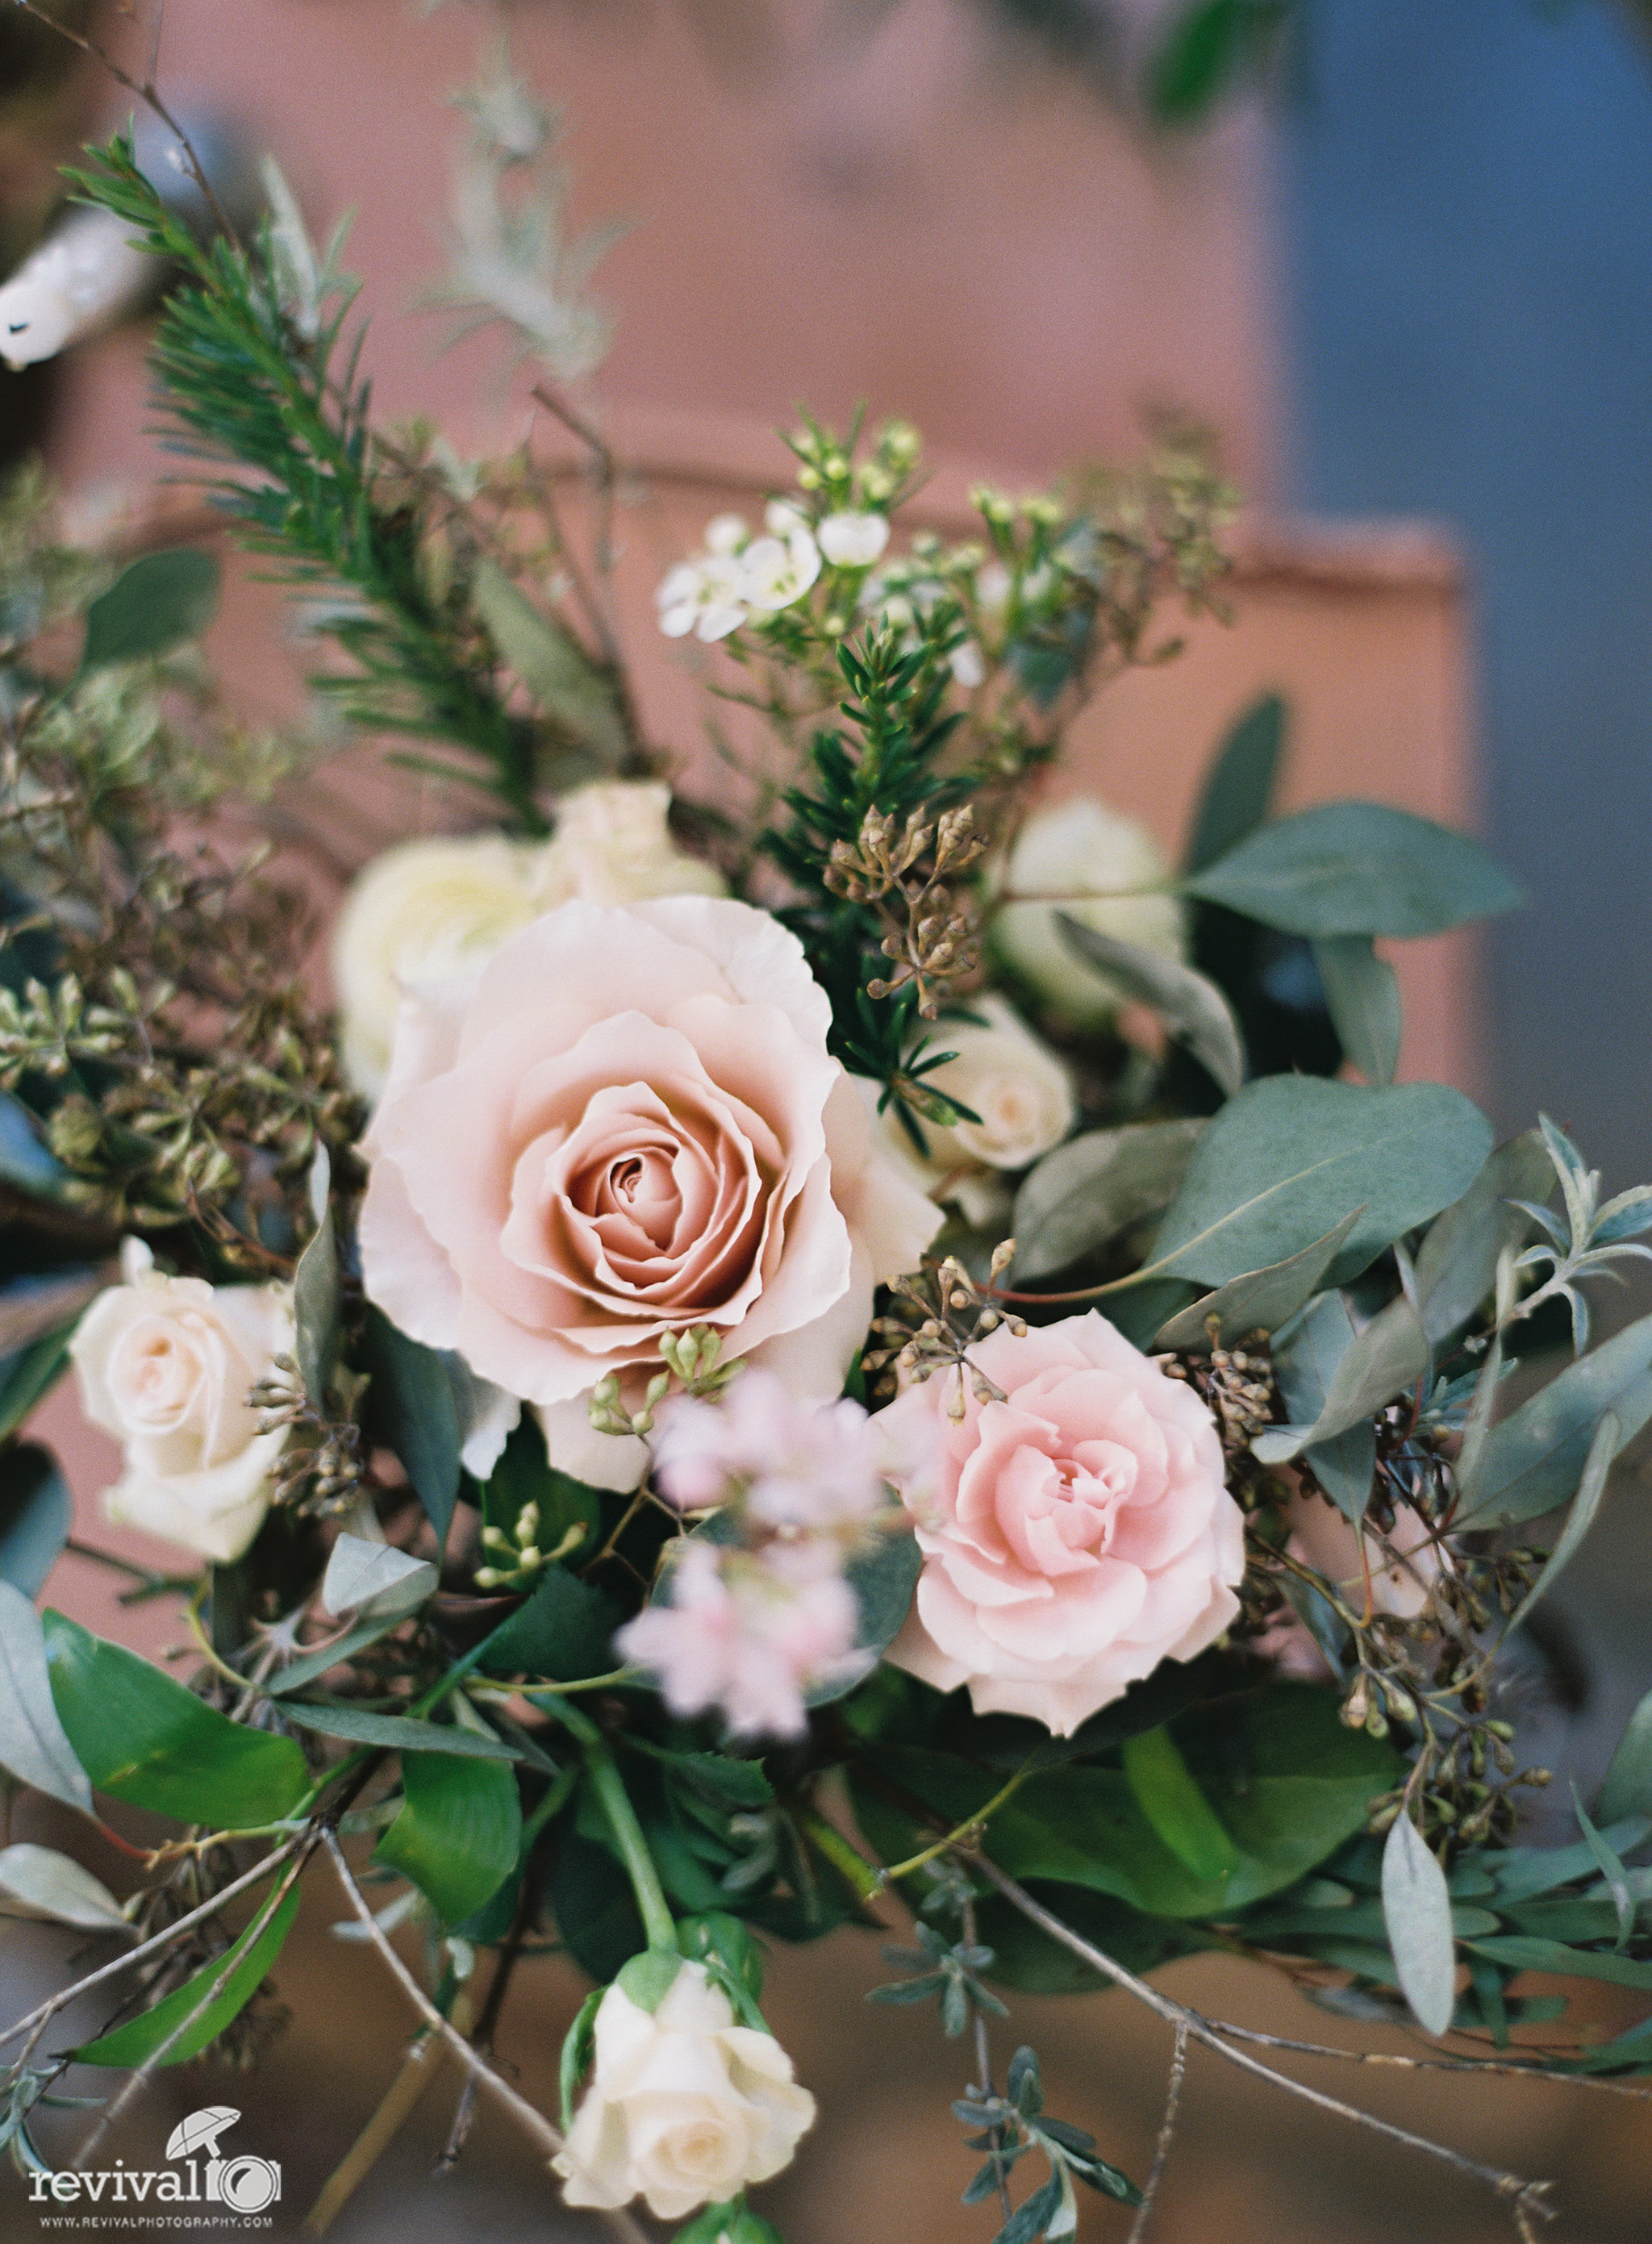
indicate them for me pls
(84, 274)
(726, 533)
(776, 572)
(684, 2106)
(1099, 867)
(1007, 1076)
(853, 541)
(782, 517)
(166, 1365)
(706, 595)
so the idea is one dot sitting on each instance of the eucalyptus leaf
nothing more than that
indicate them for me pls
(1609, 1863)
(1457, 1261)
(883, 1580)
(1357, 868)
(1363, 995)
(25, 1161)
(29, 1376)
(310, 1666)
(34, 1747)
(39, 1881)
(1308, 1355)
(37, 1513)
(1389, 1356)
(1522, 1953)
(1237, 795)
(375, 1579)
(1532, 1461)
(413, 1411)
(249, 1962)
(1288, 1158)
(315, 1291)
(551, 664)
(160, 600)
(1261, 1301)
(456, 1836)
(1417, 1910)
(1597, 1467)
(1627, 1787)
(143, 1739)
(1094, 1187)
(398, 1732)
(1193, 1008)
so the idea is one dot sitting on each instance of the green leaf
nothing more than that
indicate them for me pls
(1261, 1301)
(1379, 1362)
(1173, 1805)
(316, 1292)
(413, 1411)
(595, 1911)
(457, 1834)
(565, 1632)
(579, 2046)
(1532, 1460)
(39, 1881)
(24, 1160)
(398, 1732)
(310, 1665)
(1364, 998)
(1610, 1865)
(159, 601)
(37, 1513)
(1240, 787)
(1627, 1787)
(1357, 868)
(1197, 62)
(883, 1580)
(1094, 1187)
(648, 1979)
(34, 1747)
(524, 1475)
(1291, 1155)
(1597, 1468)
(553, 665)
(1457, 1262)
(252, 1957)
(1523, 1954)
(1194, 1010)
(1307, 1356)
(27, 1378)
(375, 1579)
(1416, 1912)
(142, 1738)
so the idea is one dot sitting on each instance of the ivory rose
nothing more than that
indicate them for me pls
(427, 915)
(630, 1128)
(684, 2105)
(1004, 1073)
(1075, 1534)
(1090, 858)
(166, 1365)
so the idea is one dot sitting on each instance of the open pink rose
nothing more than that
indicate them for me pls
(628, 1128)
(1075, 1534)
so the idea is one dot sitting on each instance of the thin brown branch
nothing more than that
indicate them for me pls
(1166, 2136)
(1524, 2196)
(533, 2123)
(1534, 2069)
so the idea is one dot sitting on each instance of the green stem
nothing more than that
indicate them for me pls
(827, 1841)
(658, 1922)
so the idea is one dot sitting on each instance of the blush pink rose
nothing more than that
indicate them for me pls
(629, 1127)
(1074, 1534)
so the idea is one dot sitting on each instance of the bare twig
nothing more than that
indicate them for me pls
(533, 2123)
(1524, 2196)
(983, 2064)
(1509, 2067)
(1166, 2136)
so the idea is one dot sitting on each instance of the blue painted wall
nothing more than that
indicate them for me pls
(1467, 217)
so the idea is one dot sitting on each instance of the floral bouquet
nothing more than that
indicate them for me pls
(834, 1345)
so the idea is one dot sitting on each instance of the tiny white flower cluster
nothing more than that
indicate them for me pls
(738, 575)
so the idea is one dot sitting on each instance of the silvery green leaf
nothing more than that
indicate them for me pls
(33, 1747)
(1627, 1788)
(1389, 1356)
(1363, 999)
(1597, 1467)
(1193, 1008)
(1623, 1216)
(315, 1291)
(1235, 799)
(1307, 1354)
(39, 1881)
(1457, 1261)
(1263, 1300)
(1357, 868)
(1093, 1187)
(1610, 1865)
(1288, 1158)
(1417, 1910)
(1532, 1461)
(375, 1579)
(553, 666)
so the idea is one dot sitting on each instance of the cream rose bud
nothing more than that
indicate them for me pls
(1090, 858)
(1004, 1073)
(685, 2107)
(424, 914)
(166, 1365)
(630, 1128)
(1077, 1531)
(613, 845)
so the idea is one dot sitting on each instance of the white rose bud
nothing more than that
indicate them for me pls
(1085, 854)
(166, 1365)
(684, 2106)
(84, 273)
(1008, 1077)
(613, 846)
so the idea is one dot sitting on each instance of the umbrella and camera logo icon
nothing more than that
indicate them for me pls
(243, 2182)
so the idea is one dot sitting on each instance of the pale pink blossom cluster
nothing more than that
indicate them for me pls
(763, 1614)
